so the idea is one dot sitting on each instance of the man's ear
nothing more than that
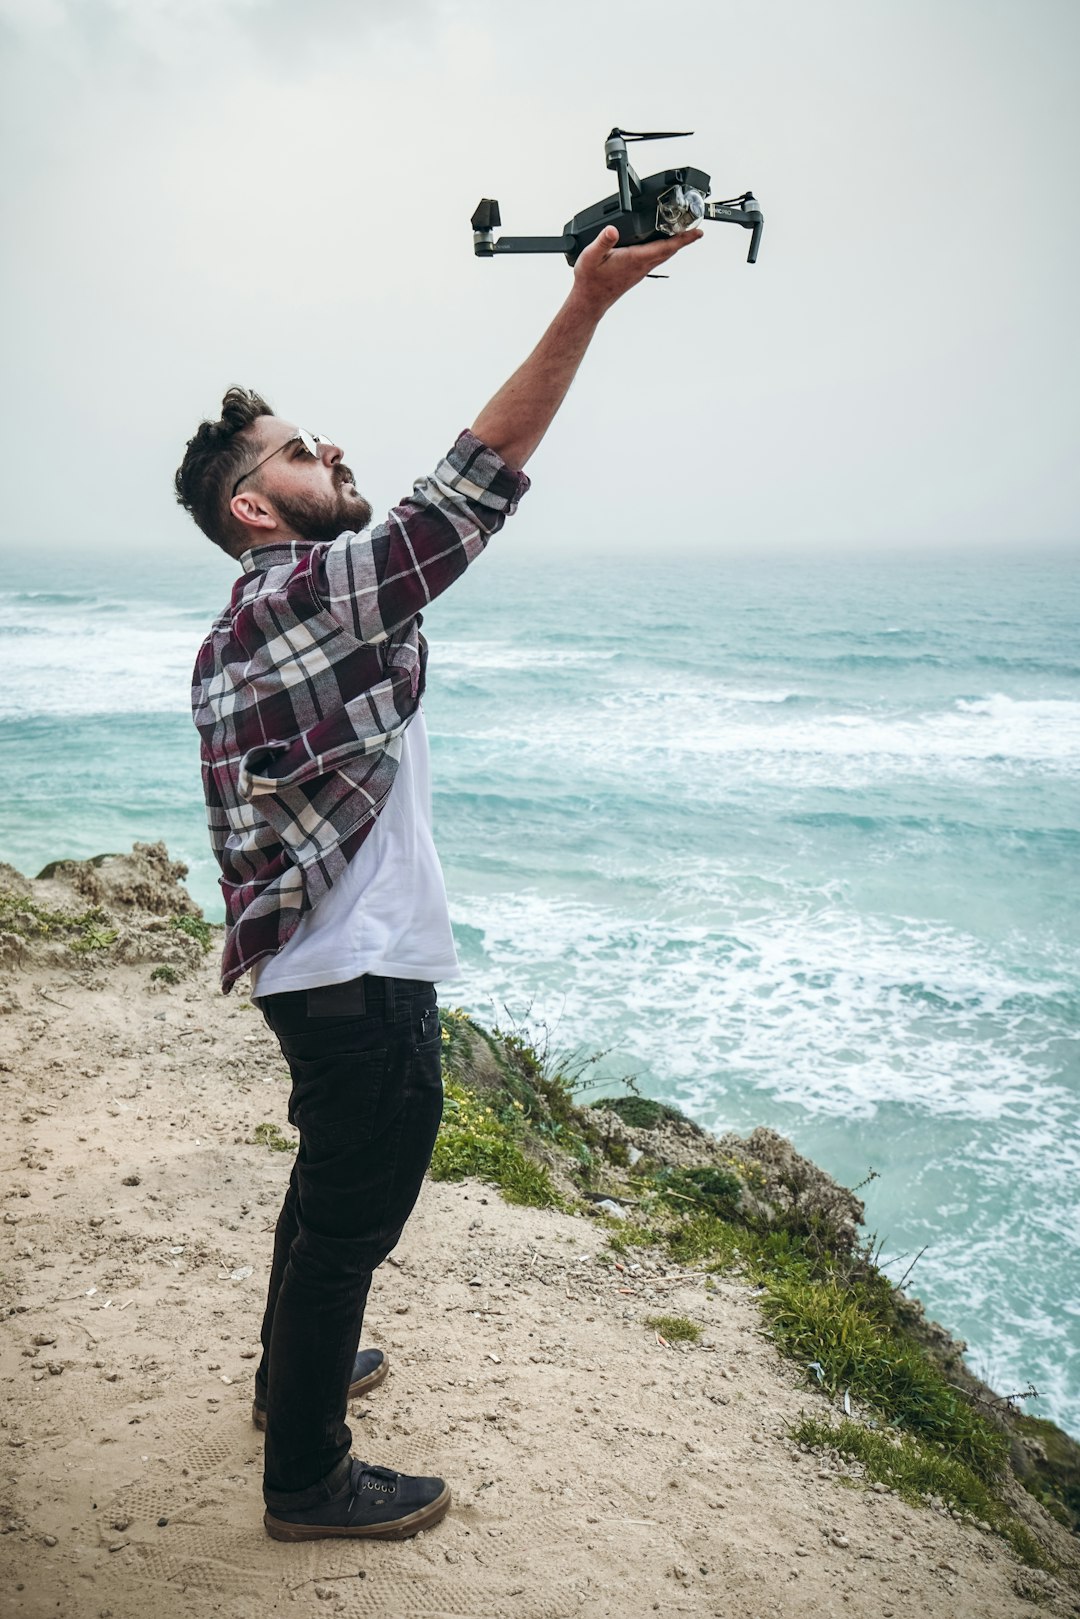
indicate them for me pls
(252, 511)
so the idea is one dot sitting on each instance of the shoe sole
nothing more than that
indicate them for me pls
(397, 1529)
(361, 1386)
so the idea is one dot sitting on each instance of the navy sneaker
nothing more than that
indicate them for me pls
(376, 1503)
(369, 1369)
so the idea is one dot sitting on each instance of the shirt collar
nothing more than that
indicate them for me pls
(262, 557)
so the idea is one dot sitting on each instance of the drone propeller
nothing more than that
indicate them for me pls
(653, 135)
(615, 157)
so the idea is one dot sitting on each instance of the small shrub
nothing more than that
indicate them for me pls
(165, 975)
(642, 1113)
(717, 1189)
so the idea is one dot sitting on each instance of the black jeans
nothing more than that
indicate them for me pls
(365, 1060)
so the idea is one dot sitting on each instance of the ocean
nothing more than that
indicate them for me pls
(791, 842)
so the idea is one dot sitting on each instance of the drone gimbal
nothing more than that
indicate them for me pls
(641, 210)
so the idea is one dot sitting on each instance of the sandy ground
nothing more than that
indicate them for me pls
(595, 1472)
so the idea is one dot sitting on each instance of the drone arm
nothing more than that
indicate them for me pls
(742, 211)
(534, 244)
(486, 219)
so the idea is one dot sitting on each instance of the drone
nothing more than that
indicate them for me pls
(641, 210)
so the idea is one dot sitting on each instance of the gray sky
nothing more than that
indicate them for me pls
(200, 192)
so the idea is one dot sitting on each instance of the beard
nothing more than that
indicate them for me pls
(324, 517)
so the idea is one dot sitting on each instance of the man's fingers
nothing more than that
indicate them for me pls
(601, 246)
(675, 244)
(651, 253)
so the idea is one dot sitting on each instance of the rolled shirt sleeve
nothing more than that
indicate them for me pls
(375, 582)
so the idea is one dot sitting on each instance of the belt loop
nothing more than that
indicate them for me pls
(388, 986)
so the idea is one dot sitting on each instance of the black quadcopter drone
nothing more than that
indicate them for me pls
(641, 210)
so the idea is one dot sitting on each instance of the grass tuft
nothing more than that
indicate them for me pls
(677, 1329)
(269, 1135)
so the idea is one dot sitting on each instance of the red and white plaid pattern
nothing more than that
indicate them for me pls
(306, 682)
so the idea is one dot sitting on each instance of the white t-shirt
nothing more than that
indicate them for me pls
(387, 914)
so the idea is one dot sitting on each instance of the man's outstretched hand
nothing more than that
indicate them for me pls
(514, 422)
(604, 270)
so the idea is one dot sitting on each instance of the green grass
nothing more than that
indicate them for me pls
(195, 928)
(844, 1326)
(164, 974)
(705, 1239)
(474, 1140)
(917, 1472)
(677, 1329)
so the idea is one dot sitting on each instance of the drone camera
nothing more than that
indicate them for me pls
(679, 209)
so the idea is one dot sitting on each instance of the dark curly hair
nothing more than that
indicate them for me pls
(213, 461)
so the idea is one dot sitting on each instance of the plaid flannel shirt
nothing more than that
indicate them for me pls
(306, 682)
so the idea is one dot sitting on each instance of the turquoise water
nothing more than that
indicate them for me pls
(794, 843)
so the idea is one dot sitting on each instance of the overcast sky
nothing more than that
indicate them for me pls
(201, 192)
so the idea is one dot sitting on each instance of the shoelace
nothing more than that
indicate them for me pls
(385, 1482)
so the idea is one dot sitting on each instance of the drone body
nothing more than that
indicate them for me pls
(646, 210)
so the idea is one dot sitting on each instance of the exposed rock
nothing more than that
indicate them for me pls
(114, 908)
(145, 880)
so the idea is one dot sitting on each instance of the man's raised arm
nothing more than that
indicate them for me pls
(515, 421)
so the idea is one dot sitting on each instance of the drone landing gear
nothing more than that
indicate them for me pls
(743, 211)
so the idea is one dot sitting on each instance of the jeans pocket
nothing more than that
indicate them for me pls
(428, 1031)
(335, 1098)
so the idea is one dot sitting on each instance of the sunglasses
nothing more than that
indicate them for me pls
(312, 442)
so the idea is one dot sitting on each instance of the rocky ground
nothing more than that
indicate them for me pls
(596, 1470)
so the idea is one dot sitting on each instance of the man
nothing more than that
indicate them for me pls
(315, 766)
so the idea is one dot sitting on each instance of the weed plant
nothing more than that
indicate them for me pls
(270, 1135)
